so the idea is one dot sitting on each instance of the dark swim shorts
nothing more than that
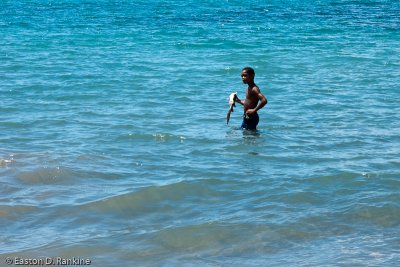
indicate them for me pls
(250, 123)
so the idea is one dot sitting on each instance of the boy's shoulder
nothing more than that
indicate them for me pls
(255, 89)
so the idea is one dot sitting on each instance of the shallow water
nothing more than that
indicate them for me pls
(114, 145)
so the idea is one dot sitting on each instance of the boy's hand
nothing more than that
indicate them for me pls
(251, 111)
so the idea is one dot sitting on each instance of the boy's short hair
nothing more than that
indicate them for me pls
(250, 71)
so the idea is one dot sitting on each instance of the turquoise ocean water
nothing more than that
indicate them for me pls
(114, 145)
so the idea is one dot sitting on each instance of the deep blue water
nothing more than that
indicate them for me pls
(114, 145)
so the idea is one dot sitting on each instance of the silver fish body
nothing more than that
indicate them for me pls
(232, 98)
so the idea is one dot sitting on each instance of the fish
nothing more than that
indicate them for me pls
(232, 98)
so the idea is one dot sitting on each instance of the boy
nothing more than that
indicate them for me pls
(251, 104)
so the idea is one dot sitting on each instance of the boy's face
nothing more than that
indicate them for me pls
(246, 78)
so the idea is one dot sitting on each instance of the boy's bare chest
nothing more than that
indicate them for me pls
(250, 95)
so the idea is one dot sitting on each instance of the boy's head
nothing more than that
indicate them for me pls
(249, 71)
(248, 74)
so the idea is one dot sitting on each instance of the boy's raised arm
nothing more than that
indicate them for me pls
(239, 101)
